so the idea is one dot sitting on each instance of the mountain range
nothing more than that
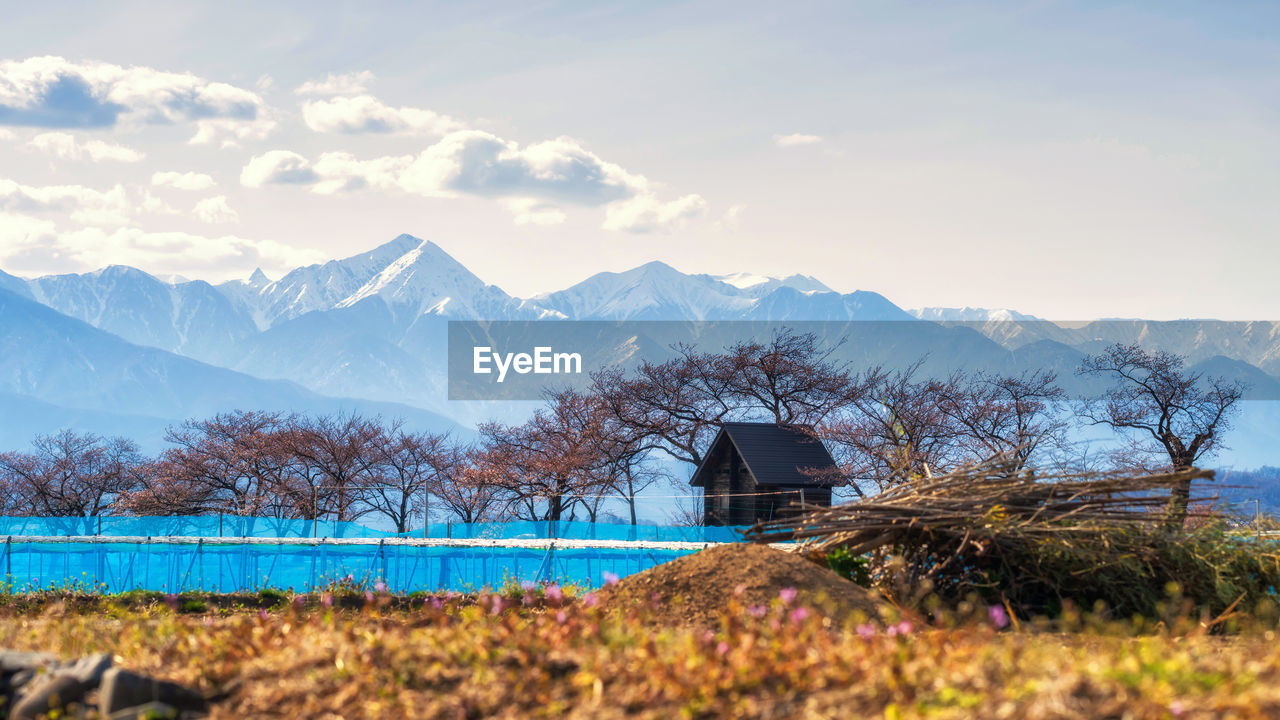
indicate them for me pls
(121, 348)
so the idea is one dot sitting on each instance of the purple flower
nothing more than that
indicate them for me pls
(866, 631)
(263, 615)
(998, 616)
(787, 595)
(380, 586)
(799, 614)
(722, 648)
(368, 596)
(758, 611)
(326, 600)
(610, 578)
(554, 592)
(590, 600)
(528, 585)
(497, 604)
(436, 602)
(560, 617)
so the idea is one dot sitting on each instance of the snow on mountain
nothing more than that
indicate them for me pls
(190, 318)
(426, 280)
(653, 291)
(761, 285)
(315, 287)
(969, 314)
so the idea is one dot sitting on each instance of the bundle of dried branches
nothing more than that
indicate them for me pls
(983, 501)
(1003, 531)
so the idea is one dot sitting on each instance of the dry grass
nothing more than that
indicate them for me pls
(496, 657)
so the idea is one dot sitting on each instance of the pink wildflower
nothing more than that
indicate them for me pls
(866, 631)
(758, 611)
(787, 595)
(553, 592)
(610, 578)
(998, 616)
(590, 600)
(722, 648)
(799, 614)
(560, 617)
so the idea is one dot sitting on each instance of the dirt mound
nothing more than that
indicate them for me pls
(697, 589)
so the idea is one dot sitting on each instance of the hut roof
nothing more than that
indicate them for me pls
(775, 454)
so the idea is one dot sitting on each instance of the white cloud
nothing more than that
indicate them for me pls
(6, 134)
(731, 217)
(82, 204)
(53, 92)
(32, 245)
(114, 207)
(645, 213)
(796, 139)
(215, 210)
(529, 211)
(341, 172)
(345, 84)
(67, 147)
(532, 180)
(278, 167)
(183, 180)
(367, 114)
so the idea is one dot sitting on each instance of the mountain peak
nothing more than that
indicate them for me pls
(258, 279)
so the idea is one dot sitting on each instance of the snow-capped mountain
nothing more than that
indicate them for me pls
(969, 314)
(374, 325)
(412, 276)
(189, 318)
(653, 291)
(761, 285)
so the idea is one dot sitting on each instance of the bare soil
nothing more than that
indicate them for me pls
(697, 590)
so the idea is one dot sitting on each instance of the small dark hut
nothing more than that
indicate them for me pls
(755, 471)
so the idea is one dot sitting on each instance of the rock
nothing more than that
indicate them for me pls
(12, 661)
(150, 711)
(60, 687)
(123, 690)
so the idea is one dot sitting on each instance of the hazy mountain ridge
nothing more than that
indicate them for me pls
(373, 325)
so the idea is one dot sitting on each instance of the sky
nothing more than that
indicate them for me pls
(1068, 160)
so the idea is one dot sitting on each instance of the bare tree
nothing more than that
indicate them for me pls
(69, 474)
(343, 453)
(897, 430)
(232, 463)
(791, 378)
(1180, 414)
(471, 489)
(412, 464)
(553, 458)
(674, 406)
(1011, 416)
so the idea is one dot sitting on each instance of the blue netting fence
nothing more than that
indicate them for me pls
(115, 567)
(236, 554)
(232, 526)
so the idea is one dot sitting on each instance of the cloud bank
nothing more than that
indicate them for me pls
(52, 92)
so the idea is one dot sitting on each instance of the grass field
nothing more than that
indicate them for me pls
(530, 653)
